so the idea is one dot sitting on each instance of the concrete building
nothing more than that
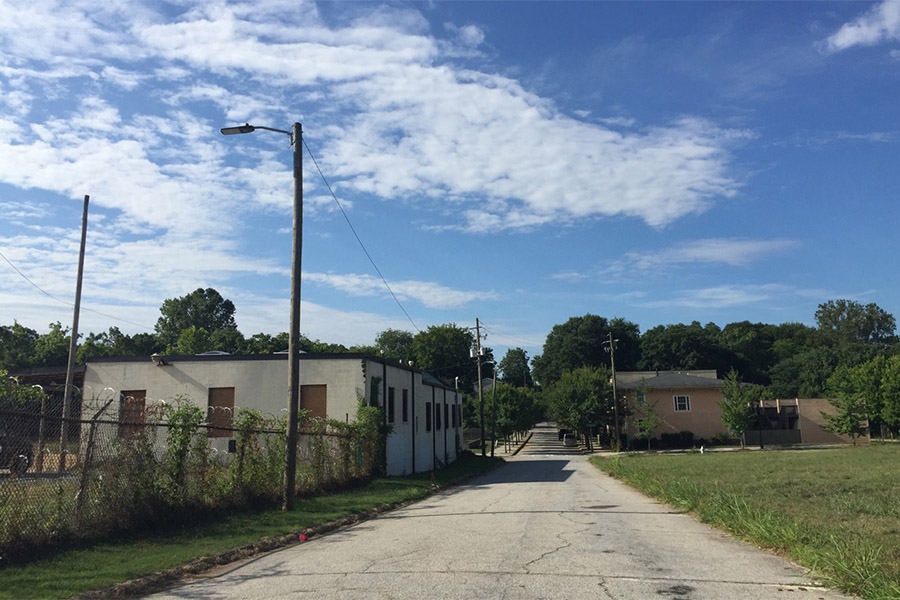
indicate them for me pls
(425, 414)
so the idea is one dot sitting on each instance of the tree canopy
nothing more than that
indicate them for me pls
(579, 343)
(396, 344)
(581, 398)
(514, 368)
(848, 322)
(791, 359)
(201, 309)
(444, 351)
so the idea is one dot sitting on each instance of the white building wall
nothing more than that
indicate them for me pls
(261, 383)
(399, 444)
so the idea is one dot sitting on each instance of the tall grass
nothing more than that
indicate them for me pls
(834, 511)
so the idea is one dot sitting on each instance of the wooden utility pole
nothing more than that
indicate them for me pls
(73, 343)
(480, 391)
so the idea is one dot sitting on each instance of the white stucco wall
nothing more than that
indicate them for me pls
(260, 382)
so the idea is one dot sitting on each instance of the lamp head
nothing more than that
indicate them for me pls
(246, 128)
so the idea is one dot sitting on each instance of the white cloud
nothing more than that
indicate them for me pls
(729, 296)
(430, 294)
(129, 101)
(880, 24)
(468, 36)
(728, 251)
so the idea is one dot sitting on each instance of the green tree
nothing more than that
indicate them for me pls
(516, 408)
(201, 309)
(17, 346)
(192, 340)
(52, 348)
(792, 338)
(890, 392)
(115, 343)
(396, 344)
(319, 347)
(848, 322)
(851, 415)
(737, 404)
(514, 368)
(694, 346)
(581, 398)
(648, 418)
(263, 343)
(579, 343)
(228, 340)
(15, 395)
(753, 346)
(444, 351)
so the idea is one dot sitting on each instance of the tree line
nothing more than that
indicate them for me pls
(789, 359)
(785, 360)
(851, 356)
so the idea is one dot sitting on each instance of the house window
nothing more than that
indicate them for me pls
(640, 397)
(428, 416)
(131, 412)
(437, 416)
(447, 414)
(220, 412)
(682, 403)
(405, 406)
(390, 406)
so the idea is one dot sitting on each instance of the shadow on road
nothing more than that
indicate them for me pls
(527, 471)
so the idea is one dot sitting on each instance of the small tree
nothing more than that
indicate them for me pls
(737, 412)
(649, 420)
(851, 416)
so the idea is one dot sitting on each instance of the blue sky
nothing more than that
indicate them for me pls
(519, 162)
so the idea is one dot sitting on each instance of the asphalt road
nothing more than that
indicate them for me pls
(544, 525)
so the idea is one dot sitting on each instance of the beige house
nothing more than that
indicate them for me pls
(425, 415)
(690, 401)
(683, 400)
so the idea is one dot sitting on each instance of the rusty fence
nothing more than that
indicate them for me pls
(127, 465)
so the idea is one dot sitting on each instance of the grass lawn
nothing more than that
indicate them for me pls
(834, 511)
(75, 572)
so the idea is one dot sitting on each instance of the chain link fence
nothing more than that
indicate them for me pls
(128, 464)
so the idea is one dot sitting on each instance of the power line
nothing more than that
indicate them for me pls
(69, 304)
(494, 332)
(356, 235)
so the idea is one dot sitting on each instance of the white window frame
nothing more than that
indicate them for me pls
(686, 403)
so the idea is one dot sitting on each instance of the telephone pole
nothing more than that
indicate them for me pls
(611, 348)
(478, 353)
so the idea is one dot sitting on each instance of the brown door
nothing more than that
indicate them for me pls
(220, 415)
(313, 399)
(132, 404)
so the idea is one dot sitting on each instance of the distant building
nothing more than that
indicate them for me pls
(690, 401)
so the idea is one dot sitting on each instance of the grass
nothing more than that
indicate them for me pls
(77, 572)
(835, 511)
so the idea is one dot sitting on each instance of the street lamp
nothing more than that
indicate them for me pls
(290, 466)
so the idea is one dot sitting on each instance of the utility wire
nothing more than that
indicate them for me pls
(69, 304)
(356, 235)
(523, 341)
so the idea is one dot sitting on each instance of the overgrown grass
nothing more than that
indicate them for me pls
(834, 511)
(76, 572)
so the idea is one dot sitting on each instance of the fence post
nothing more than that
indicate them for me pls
(88, 459)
